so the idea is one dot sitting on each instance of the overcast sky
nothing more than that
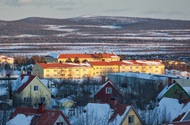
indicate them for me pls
(165, 9)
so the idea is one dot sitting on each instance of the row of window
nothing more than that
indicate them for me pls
(28, 99)
(64, 70)
(106, 68)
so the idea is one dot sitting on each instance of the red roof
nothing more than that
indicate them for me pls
(102, 86)
(60, 65)
(105, 55)
(106, 63)
(31, 77)
(118, 110)
(126, 63)
(179, 123)
(48, 117)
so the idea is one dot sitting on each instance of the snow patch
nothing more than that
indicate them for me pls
(20, 119)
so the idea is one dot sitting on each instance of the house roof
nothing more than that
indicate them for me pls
(25, 80)
(104, 55)
(106, 63)
(163, 92)
(102, 86)
(167, 88)
(185, 116)
(119, 110)
(48, 117)
(180, 123)
(126, 63)
(120, 113)
(62, 65)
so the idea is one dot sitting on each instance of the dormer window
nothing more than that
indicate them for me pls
(108, 90)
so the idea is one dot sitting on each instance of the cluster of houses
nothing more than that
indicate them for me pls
(107, 103)
(34, 98)
(77, 66)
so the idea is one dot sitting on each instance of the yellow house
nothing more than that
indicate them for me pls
(88, 57)
(125, 115)
(30, 90)
(62, 70)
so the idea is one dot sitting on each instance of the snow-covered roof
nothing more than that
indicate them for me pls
(120, 117)
(19, 82)
(170, 109)
(94, 114)
(52, 89)
(54, 55)
(20, 119)
(141, 75)
(187, 89)
(65, 100)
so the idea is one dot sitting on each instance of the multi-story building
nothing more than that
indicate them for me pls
(96, 68)
(82, 57)
(62, 70)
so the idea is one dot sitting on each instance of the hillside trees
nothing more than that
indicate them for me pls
(24, 60)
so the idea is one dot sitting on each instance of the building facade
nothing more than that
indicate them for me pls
(96, 68)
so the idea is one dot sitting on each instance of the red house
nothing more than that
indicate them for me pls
(108, 93)
(39, 116)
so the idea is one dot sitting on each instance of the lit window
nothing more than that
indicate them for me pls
(108, 90)
(131, 120)
(36, 88)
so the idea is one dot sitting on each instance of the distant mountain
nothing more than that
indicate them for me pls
(35, 25)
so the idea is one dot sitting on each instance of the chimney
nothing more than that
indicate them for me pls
(169, 81)
(103, 79)
(113, 102)
(41, 108)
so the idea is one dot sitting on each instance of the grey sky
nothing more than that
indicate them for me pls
(170, 9)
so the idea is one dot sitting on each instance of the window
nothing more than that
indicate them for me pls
(36, 88)
(47, 70)
(108, 90)
(42, 99)
(55, 70)
(27, 99)
(59, 123)
(131, 120)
